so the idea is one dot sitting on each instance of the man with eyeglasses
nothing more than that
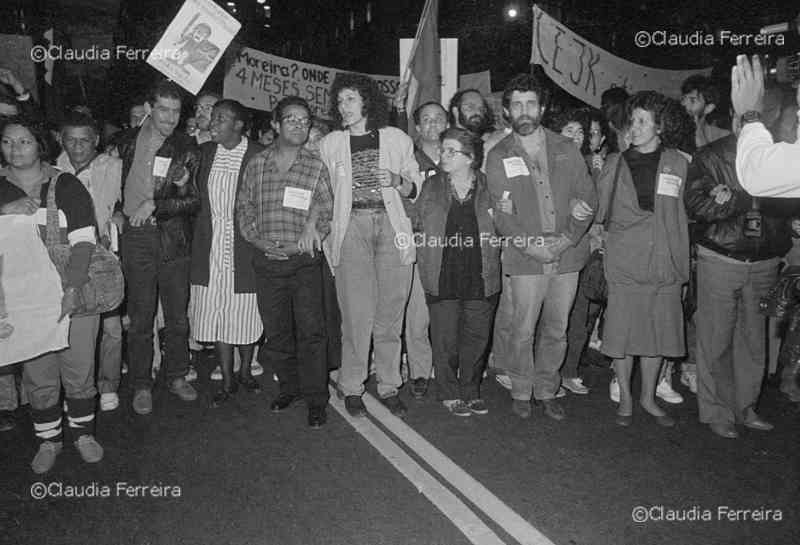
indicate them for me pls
(284, 208)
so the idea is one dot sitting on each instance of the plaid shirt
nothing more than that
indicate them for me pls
(263, 218)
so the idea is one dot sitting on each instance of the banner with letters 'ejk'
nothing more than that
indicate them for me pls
(259, 80)
(585, 70)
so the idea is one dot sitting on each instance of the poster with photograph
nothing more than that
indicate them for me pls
(193, 43)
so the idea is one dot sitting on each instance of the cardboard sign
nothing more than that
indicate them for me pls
(259, 80)
(585, 70)
(193, 43)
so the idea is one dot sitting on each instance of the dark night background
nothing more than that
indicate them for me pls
(319, 31)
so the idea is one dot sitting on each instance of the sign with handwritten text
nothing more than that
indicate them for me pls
(585, 70)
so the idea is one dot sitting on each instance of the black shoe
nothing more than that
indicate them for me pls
(284, 401)
(553, 409)
(7, 421)
(317, 416)
(250, 384)
(355, 406)
(224, 395)
(394, 404)
(419, 386)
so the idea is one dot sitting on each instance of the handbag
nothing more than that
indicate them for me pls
(783, 295)
(106, 286)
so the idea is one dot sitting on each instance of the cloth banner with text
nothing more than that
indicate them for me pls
(259, 80)
(585, 70)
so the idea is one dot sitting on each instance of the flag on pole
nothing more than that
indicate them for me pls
(424, 71)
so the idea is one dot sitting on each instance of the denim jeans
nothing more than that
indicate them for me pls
(545, 299)
(731, 347)
(501, 335)
(290, 302)
(459, 334)
(148, 277)
(418, 344)
(372, 284)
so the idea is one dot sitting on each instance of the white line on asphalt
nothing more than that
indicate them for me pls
(448, 503)
(516, 526)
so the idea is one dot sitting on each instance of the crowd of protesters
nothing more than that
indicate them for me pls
(313, 253)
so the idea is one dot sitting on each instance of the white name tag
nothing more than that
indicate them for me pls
(161, 166)
(515, 166)
(669, 185)
(41, 218)
(294, 197)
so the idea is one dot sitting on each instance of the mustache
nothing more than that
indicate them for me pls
(524, 119)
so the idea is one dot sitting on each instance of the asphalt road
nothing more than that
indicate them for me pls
(243, 475)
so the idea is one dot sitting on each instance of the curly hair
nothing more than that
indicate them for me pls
(376, 106)
(524, 83)
(677, 126)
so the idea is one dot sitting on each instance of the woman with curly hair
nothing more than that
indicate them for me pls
(372, 168)
(647, 249)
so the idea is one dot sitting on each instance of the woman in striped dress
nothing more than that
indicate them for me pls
(224, 310)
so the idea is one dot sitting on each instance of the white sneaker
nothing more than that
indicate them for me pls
(216, 374)
(503, 380)
(109, 401)
(256, 370)
(575, 385)
(191, 374)
(690, 381)
(664, 391)
(613, 390)
(561, 392)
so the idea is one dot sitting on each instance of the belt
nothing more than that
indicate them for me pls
(373, 205)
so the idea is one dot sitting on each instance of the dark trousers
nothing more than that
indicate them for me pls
(290, 300)
(148, 277)
(581, 324)
(460, 332)
(333, 318)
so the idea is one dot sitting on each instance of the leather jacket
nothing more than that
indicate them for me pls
(721, 227)
(175, 205)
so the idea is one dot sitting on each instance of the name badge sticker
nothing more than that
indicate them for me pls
(294, 197)
(161, 166)
(669, 185)
(515, 166)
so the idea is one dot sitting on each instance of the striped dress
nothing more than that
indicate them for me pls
(218, 314)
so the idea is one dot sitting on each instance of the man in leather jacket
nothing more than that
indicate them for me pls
(159, 200)
(740, 241)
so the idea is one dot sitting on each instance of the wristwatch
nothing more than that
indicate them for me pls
(751, 116)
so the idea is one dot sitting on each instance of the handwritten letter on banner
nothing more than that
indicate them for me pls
(585, 71)
(193, 43)
(30, 293)
(259, 80)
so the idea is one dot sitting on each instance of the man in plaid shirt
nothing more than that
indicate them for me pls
(284, 208)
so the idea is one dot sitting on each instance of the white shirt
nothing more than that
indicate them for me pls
(766, 169)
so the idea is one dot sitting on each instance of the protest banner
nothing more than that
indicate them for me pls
(193, 43)
(585, 70)
(30, 293)
(259, 80)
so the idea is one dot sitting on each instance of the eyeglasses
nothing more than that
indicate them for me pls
(303, 122)
(449, 152)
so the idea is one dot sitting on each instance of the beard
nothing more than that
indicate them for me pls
(525, 124)
(476, 123)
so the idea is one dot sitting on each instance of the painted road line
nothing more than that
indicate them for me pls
(448, 503)
(516, 526)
